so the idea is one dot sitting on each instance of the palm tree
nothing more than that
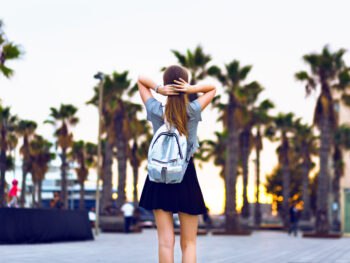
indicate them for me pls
(341, 142)
(25, 129)
(196, 63)
(284, 125)
(7, 125)
(12, 144)
(40, 156)
(122, 128)
(260, 118)
(137, 153)
(107, 143)
(117, 126)
(305, 145)
(64, 117)
(247, 95)
(215, 149)
(8, 51)
(232, 120)
(83, 153)
(326, 72)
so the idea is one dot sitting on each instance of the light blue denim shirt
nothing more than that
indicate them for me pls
(155, 110)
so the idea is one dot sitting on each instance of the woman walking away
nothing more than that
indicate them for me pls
(172, 190)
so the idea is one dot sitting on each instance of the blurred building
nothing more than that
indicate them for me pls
(344, 206)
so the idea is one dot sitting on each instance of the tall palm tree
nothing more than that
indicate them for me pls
(83, 153)
(283, 125)
(7, 125)
(326, 71)
(107, 143)
(305, 145)
(8, 51)
(137, 153)
(63, 117)
(196, 62)
(260, 119)
(25, 129)
(341, 142)
(247, 95)
(41, 156)
(232, 120)
(115, 113)
(122, 128)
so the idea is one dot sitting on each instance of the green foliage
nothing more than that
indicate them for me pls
(8, 51)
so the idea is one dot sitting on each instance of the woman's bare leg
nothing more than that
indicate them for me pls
(166, 236)
(188, 228)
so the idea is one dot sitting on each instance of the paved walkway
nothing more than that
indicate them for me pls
(269, 247)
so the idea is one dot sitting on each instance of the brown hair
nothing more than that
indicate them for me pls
(175, 108)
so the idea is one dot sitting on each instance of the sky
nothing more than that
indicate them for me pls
(66, 42)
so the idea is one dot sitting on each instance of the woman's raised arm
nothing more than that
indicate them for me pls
(145, 85)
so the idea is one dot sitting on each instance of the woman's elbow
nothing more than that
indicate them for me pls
(139, 81)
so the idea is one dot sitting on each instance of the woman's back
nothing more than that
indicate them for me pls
(155, 114)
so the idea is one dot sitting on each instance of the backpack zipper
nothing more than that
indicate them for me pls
(171, 161)
(170, 134)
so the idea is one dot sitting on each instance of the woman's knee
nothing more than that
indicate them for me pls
(166, 241)
(186, 241)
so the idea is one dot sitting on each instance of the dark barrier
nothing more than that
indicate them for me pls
(21, 225)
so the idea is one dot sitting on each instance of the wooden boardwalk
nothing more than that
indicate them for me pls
(260, 247)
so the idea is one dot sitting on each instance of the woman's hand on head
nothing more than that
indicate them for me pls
(168, 90)
(182, 86)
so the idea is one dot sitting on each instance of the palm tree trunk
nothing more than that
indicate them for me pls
(305, 189)
(322, 221)
(136, 176)
(40, 184)
(122, 158)
(257, 211)
(23, 190)
(106, 199)
(232, 223)
(337, 158)
(285, 190)
(245, 156)
(64, 194)
(33, 195)
(82, 195)
(2, 176)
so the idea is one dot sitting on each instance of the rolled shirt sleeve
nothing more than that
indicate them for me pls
(154, 111)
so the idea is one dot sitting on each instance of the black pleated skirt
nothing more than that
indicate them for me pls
(183, 197)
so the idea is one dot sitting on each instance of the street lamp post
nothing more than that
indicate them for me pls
(99, 76)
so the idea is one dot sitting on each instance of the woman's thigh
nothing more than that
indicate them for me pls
(165, 225)
(188, 226)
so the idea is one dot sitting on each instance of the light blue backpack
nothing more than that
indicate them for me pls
(167, 160)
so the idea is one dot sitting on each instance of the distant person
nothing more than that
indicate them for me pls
(184, 198)
(207, 219)
(128, 210)
(92, 216)
(293, 217)
(13, 194)
(56, 202)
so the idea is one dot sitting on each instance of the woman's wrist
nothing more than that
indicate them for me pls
(156, 88)
(193, 89)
